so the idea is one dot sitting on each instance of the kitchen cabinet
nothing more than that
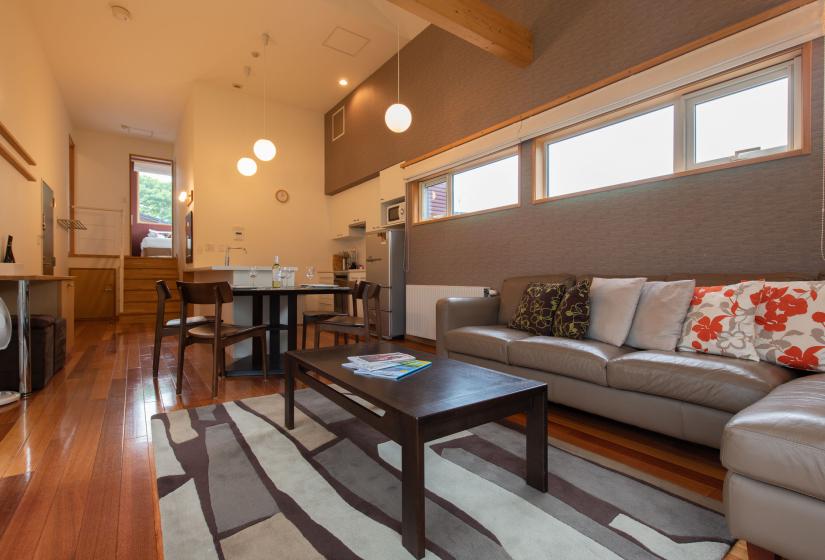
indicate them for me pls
(391, 184)
(351, 211)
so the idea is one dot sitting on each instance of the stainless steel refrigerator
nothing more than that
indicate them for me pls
(385, 266)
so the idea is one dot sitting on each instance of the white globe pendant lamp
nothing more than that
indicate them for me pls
(247, 166)
(398, 116)
(264, 149)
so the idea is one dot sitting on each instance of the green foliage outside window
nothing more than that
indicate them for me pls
(154, 199)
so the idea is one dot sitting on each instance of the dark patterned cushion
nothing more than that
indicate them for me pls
(573, 315)
(537, 307)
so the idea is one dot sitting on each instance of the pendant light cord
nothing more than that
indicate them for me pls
(398, 62)
(266, 85)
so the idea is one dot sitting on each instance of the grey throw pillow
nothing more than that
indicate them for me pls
(660, 314)
(612, 306)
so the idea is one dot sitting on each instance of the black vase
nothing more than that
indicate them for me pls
(9, 257)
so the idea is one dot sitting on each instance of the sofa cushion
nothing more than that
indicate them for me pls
(573, 315)
(718, 382)
(513, 288)
(660, 313)
(710, 279)
(582, 359)
(485, 342)
(780, 440)
(612, 306)
(537, 308)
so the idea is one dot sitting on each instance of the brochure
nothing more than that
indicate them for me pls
(394, 370)
(373, 362)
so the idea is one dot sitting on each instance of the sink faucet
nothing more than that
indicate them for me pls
(226, 253)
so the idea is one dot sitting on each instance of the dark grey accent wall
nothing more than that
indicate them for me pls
(455, 89)
(758, 218)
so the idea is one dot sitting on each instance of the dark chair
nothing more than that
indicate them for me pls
(312, 317)
(218, 334)
(170, 327)
(354, 325)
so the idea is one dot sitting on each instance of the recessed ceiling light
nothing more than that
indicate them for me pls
(343, 82)
(120, 13)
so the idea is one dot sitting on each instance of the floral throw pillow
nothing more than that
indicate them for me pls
(790, 325)
(537, 307)
(721, 321)
(573, 315)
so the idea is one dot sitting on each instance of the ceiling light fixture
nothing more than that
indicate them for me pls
(343, 82)
(398, 116)
(120, 13)
(263, 148)
(247, 166)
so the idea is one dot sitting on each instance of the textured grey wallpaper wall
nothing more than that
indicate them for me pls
(757, 218)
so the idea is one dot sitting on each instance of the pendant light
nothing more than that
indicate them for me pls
(263, 148)
(398, 116)
(246, 166)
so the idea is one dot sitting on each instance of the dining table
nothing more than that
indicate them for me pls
(253, 364)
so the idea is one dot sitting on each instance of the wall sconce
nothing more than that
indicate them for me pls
(187, 197)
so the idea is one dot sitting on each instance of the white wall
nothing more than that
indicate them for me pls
(222, 126)
(32, 108)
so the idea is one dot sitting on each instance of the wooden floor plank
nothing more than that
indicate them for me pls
(83, 445)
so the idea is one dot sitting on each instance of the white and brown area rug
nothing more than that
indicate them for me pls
(234, 484)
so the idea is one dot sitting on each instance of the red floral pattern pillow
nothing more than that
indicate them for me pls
(790, 324)
(721, 321)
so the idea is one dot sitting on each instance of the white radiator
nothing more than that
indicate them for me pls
(421, 306)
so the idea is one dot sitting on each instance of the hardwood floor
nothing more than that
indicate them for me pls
(76, 476)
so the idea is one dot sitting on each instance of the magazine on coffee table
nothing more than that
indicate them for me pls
(373, 362)
(394, 370)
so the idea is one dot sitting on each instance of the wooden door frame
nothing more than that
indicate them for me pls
(72, 168)
(133, 200)
(115, 291)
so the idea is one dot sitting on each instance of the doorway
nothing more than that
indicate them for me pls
(47, 215)
(151, 191)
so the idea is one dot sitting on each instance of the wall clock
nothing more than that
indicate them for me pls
(281, 195)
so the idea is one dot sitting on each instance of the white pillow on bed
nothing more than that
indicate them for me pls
(158, 233)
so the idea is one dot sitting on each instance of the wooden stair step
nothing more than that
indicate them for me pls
(147, 262)
(150, 274)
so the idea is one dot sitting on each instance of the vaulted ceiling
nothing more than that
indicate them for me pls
(139, 72)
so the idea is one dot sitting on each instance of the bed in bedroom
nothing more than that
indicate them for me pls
(156, 246)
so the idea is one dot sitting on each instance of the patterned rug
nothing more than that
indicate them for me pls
(234, 484)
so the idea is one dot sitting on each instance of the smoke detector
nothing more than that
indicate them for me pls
(120, 13)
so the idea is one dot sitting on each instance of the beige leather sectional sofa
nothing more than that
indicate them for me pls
(773, 419)
(682, 394)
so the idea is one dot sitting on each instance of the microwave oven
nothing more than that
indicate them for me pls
(395, 214)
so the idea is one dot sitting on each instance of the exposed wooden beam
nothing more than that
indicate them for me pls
(477, 23)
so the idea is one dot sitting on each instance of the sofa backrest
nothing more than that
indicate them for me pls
(710, 279)
(513, 288)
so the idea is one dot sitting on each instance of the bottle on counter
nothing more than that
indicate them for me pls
(276, 273)
(9, 256)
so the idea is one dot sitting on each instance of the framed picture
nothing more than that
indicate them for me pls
(189, 237)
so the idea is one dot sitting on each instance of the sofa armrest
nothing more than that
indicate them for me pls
(454, 312)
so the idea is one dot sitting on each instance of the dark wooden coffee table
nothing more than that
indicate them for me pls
(443, 399)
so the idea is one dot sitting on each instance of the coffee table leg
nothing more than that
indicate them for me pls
(537, 441)
(412, 490)
(289, 392)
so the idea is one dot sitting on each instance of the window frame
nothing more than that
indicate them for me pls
(420, 186)
(797, 58)
(790, 69)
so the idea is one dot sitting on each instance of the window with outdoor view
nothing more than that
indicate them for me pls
(154, 198)
(485, 184)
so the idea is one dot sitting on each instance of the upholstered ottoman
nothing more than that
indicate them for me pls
(774, 451)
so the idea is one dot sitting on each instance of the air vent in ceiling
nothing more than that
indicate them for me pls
(345, 41)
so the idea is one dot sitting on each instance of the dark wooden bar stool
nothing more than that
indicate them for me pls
(216, 333)
(170, 327)
(354, 325)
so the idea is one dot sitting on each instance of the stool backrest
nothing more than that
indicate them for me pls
(370, 294)
(163, 294)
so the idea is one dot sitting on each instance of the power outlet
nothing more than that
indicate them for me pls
(209, 247)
